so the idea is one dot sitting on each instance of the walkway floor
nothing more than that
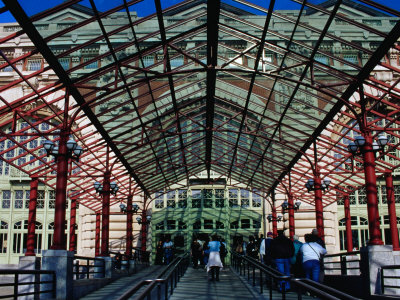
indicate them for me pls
(117, 288)
(195, 285)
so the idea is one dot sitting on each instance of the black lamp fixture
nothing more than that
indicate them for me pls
(99, 187)
(270, 218)
(124, 209)
(140, 221)
(324, 185)
(357, 147)
(285, 205)
(74, 150)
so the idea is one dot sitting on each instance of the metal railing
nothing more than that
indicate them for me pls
(265, 275)
(342, 264)
(89, 268)
(19, 278)
(168, 280)
(392, 277)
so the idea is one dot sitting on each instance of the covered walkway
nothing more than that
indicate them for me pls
(200, 118)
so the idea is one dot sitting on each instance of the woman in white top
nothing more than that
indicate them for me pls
(312, 252)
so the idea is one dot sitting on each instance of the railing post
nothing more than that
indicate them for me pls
(261, 282)
(77, 269)
(87, 268)
(16, 286)
(382, 282)
(342, 265)
(54, 285)
(254, 275)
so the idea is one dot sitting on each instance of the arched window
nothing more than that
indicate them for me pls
(50, 233)
(20, 236)
(3, 236)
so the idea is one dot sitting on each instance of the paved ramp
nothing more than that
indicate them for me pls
(117, 288)
(195, 285)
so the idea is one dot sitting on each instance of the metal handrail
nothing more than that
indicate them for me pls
(174, 271)
(342, 262)
(342, 254)
(37, 281)
(320, 290)
(90, 267)
(303, 285)
(383, 277)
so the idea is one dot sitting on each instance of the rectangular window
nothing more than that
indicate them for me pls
(256, 200)
(245, 223)
(40, 200)
(52, 199)
(256, 224)
(171, 199)
(244, 198)
(91, 66)
(159, 200)
(321, 59)
(176, 62)
(182, 198)
(181, 225)
(148, 61)
(3, 242)
(207, 196)
(208, 224)
(34, 64)
(196, 198)
(352, 58)
(233, 198)
(65, 62)
(19, 199)
(160, 226)
(27, 194)
(219, 198)
(6, 201)
(171, 225)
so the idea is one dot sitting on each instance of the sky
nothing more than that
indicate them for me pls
(147, 7)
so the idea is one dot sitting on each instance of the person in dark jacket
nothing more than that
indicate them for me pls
(282, 250)
(252, 249)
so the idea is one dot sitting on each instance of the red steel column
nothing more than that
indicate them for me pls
(274, 217)
(392, 211)
(372, 199)
(144, 228)
(59, 242)
(319, 211)
(105, 224)
(72, 225)
(30, 244)
(97, 238)
(347, 216)
(291, 215)
(129, 233)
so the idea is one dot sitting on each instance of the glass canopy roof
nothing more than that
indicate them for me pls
(160, 93)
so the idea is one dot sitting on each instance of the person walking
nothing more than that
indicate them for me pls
(296, 260)
(196, 253)
(214, 261)
(312, 253)
(252, 249)
(265, 250)
(159, 253)
(318, 239)
(168, 251)
(282, 250)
